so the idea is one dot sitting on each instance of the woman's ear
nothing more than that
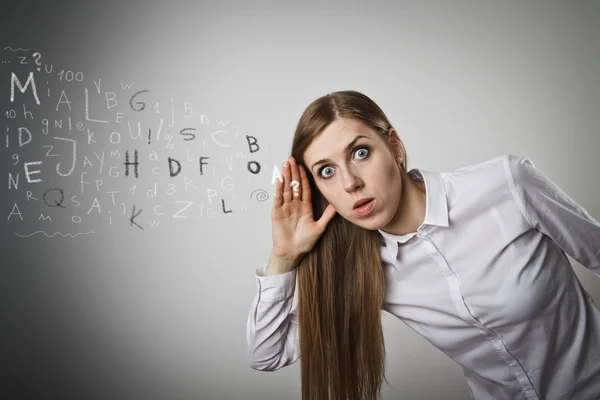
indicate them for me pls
(395, 142)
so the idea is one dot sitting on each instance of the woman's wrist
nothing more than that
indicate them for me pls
(281, 264)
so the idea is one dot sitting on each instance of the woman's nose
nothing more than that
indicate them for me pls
(351, 180)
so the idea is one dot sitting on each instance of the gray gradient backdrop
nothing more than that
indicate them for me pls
(160, 312)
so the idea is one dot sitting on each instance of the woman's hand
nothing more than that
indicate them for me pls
(295, 231)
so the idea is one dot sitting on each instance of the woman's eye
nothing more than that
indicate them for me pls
(365, 152)
(362, 148)
(323, 169)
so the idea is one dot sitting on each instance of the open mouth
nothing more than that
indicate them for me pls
(363, 204)
(365, 208)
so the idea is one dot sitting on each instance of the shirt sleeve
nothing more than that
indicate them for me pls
(272, 327)
(551, 211)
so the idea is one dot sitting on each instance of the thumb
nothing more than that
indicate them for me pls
(327, 216)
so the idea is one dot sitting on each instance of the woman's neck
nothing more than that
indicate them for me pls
(411, 210)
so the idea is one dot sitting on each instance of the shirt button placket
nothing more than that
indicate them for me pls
(467, 315)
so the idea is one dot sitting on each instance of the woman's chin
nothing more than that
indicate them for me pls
(370, 223)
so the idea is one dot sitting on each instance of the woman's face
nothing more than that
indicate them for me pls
(355, 167)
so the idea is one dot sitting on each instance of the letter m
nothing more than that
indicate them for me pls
(30, 79)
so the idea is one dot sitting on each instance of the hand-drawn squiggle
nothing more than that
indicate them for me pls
(57, 233)
(18, 49)
(261, 196)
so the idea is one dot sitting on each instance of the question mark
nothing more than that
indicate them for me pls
(36, 56)
(295, 185)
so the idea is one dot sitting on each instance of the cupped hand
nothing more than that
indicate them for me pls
(295, 231)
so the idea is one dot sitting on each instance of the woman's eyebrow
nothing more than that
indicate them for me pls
(346, 150)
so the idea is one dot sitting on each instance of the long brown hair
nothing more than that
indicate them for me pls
(341, 284)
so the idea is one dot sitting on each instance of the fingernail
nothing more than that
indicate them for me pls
(285, 164)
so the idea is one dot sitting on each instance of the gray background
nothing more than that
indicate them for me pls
(160, 312)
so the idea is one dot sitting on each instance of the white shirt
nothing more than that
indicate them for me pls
(485, 279)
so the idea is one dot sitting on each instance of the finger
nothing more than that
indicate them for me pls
(278, 197)
(287, 178)
(295, 178)
(305, 185)
(327, 216)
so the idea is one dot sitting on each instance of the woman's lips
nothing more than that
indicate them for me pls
(365, 209)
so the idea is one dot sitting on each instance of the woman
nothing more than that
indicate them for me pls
(474, 260)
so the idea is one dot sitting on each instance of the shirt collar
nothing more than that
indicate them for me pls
(436, 209)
